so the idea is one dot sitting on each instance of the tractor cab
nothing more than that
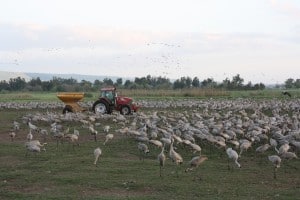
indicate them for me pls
(109, 93)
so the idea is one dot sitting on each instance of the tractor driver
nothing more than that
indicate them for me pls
(109, 95)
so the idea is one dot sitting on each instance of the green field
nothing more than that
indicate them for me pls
(157, 94)
(67, 173)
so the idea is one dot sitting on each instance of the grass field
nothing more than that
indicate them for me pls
(64, 173)
(156, 94)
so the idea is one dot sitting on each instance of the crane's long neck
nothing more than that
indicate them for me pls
(163, 149)
(171, 146)
(237, 163)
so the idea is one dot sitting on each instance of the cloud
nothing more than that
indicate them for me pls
(287, 7)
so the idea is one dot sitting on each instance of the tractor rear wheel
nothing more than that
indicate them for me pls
(67, 109)
(125, 110)
(101, 107)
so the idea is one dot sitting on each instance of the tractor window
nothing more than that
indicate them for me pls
(108, 94)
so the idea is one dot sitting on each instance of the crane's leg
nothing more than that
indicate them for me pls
(275, 173)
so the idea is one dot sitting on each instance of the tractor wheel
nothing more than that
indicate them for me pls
(101, 107)
(125, 110)
(67, 109)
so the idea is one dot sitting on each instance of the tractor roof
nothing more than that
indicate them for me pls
(108, 89)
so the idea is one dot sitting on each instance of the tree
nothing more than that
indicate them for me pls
(108, 81)
(85, 85)
(289, 83)
(297, 83)
(226, 84)
(179, 84)
(17, 84)
(97, 84)
(35, 82)
(4, 86)
(128, 83)
(196, 82)
(119, 81)
(237, 82)
(188, 82)
(208, 83)
(47, 85)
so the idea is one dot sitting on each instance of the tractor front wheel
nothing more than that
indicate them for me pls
(125, 110)
(101, 107)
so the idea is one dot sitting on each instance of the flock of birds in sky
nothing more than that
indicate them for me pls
(158, 56)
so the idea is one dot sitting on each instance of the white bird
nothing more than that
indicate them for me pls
(165, 140)
(93, 131)
(195, 148)
(106, 128)
(76, 132)
(233, 155)
(284, 148)
(276, 160)
(12, 135)
(288, 155)
(29, 136)
(44, 134)
(143, 148)
(195, 162)
(262, 148)
(175, 157)
(16, 125)
(97, 153)
(161, 159)
(109, 136)
(73, 138)
(157, 143)
(244, 146)
(274, 144)
(34, 146)
(33, 127)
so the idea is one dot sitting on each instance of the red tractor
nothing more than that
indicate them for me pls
(109, 101)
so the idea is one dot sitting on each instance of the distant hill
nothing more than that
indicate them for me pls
(78, 77)
(47, 76)
(6, 76)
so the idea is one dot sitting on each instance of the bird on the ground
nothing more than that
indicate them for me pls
(175, 157)
(288, 155)
(29, 136)
(143, 148)
(109, 136)
(195, 162)
(274, 144)
(287, 94)
(12, 135)
(232, 155)
(97, 153)
(262, 148)
(33, 127)
(93, 131)
(244, 146)
(276, 160)
(34, 146)
(106, 128)
(161, 159)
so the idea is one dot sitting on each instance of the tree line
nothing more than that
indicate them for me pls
(148, 82)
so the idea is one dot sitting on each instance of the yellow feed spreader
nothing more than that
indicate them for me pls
(71, 100)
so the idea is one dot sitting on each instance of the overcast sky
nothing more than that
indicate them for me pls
(258, 39)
